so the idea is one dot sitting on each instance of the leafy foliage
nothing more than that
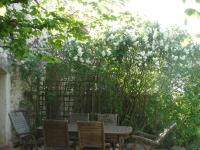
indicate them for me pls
(191, 11)
(28, 25)
(149, 76)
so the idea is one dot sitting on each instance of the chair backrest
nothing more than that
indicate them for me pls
(56, 134)
(166, 131)
(108, 119)
(74, 117)
(19, 122)
(91, 135)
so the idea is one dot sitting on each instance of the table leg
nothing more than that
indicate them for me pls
(121, 143)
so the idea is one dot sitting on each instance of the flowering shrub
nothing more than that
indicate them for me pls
(148, 75)
(154, 70)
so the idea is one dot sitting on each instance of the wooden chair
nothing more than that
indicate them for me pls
(26, 136)
(74, 117)
(56, 134)
(91, 135)
(108, 119)
(148, 141)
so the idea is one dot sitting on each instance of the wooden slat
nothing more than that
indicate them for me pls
(108, 119)
(74, 117)
(56, 133)
(91, 134)
(19, 122)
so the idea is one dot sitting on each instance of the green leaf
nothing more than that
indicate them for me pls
(1, 5)
(61, 9)
(39, 56)
(198, 1)
(191, 11)
(197, 35)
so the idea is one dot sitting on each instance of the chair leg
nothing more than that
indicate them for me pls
(36, 146)
(113, 145)
(134, 146)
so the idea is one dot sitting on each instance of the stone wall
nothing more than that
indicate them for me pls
(11, 92)
(5, 133)
(3, 105)
(17, 89)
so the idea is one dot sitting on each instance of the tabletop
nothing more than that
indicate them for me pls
(108, 129)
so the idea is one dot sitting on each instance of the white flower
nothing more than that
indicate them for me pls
(155, 59)
(157, 63)
(175, 58)
(182, 57)
(161, 43)
(198, 62)
(17, 6)
(40, 1)
(1, 49)
(166, 47)
(54, 32)
(88, 61)
(142, 53)
(81, 60)
(109, 52)
(44, 34)
(146, 39)
(75, 58)
(137, 42)
(103, 53)
(22, 61)
(120, 39)
(28, 17)
(28, 41)
(149, 53)
(133, 35)
(145, 58)
(153, 44)
(111, 37)
(148, 45)
(187, 51)
(138, 57)
(139, 63)
(80, 52)
(4, 55)
(155, 34)
(115, 44)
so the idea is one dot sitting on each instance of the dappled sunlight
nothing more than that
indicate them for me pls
(2, 11)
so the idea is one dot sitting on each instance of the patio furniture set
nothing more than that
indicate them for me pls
(79, 132)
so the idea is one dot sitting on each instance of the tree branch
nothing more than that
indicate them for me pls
(40, 5)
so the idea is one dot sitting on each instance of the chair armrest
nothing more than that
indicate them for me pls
(140, 133)
(24, 137)
(146, 140)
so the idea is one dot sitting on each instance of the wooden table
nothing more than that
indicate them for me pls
(119, 132)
